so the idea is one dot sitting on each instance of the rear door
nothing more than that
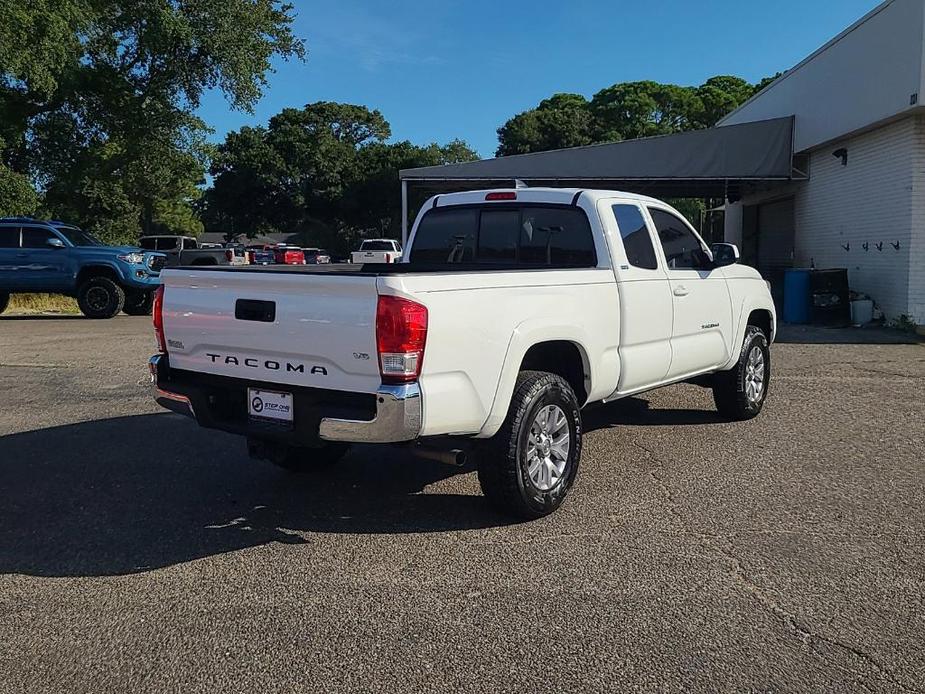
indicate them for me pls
(44, 269)
(646, 306)
(702, 307)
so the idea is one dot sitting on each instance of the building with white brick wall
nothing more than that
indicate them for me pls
(859, 137)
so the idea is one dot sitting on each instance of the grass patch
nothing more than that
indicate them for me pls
(42, 303)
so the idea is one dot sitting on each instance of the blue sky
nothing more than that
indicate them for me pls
(459, 68)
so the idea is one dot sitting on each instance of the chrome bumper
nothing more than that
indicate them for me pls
(399, 413)
(398, 418)
(170, 401)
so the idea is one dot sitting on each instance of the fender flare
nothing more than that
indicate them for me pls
(525, 336)
(749, 304)
(106, 265)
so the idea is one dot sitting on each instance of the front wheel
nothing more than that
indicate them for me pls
(740, 393)
(138, 303)
(528, 467)
(4, 301)
(100, 297)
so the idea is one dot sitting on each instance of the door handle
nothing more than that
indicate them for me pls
(680, 290)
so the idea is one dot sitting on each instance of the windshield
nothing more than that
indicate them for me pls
(377, 246)
(78, 237)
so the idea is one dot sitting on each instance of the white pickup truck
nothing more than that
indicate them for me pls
(513, 310)
(377, 251)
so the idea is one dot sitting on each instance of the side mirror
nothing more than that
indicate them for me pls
(725, 254)
(54, 242)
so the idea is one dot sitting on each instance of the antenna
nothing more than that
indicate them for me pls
(520, 184)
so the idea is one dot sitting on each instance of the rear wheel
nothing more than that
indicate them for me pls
(138, 303)
(296, 459)
(740, 393)
(527, 468)
(4, 301)
(100, 297)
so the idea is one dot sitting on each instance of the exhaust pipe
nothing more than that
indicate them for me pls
(454, 456)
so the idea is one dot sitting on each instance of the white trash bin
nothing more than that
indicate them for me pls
(862, 311)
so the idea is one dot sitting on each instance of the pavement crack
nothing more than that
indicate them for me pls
(737, 572)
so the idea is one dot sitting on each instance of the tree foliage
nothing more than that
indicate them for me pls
(563, 120)
(97, 111)
(623, 111)
(325, 171)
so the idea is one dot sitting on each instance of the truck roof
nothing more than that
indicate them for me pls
(562, 196)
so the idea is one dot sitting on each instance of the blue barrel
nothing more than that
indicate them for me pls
(797, 296)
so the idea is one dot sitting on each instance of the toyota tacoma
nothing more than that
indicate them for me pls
(512, 311)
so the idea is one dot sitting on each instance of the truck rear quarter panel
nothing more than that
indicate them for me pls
(482, 324)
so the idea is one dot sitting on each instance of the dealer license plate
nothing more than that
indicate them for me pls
(269, 404)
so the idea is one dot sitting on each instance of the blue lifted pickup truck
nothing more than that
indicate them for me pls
(58, 258)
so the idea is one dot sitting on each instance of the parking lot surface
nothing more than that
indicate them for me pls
(140, 553)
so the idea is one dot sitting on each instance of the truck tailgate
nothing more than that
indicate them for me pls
(316, 330)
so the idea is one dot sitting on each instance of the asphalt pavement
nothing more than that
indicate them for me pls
(140, 553)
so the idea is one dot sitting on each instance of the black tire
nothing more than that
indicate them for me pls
(295, 459)
(730, 392)
(138, 303)
(4, 301)
(502, 461)
(100, 297)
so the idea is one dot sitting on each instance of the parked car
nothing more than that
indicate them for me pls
(259, 254)
(316, 256)
(289, 255)
(377, 251)
(185, 250)
(240, 252)
(513, 310)
(59, 258)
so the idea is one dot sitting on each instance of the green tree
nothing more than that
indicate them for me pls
(623, 111)
(718, 96)
(97, 106)
(324, 172)
(563, 120)
(642, 109)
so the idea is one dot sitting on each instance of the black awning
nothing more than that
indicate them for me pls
(700, 159)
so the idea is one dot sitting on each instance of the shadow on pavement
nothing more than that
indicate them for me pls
(131, 494)
(820, 335)
(634, 411)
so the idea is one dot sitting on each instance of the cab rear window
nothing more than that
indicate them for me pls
(529, 235)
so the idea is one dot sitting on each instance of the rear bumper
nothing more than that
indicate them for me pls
(392, 415)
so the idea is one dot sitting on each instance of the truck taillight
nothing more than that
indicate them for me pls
(229, 255)
(401, 332)
(157, 310)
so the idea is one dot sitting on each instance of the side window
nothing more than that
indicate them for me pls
(167, 244)
(446, 236)
(148, 244)
(556, 236)
(36, 237)
(683, 250)
(189, 244)
(636, 239)
(9, 237)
